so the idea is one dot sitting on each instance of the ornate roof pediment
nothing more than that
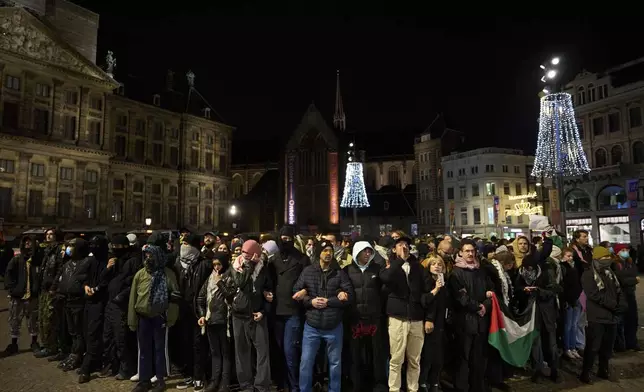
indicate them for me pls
(26, 35)
(312, 119)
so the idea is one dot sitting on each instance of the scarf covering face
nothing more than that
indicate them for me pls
(188, 255)
(211, 290)
(156, 267)
(530, 276)
(603, 267)
(461, 263)
(506, 282)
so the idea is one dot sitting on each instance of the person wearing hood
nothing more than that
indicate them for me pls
(604, 303)
(538, 281)
(366, 321)
(409, 319)
(325, 290)
(626, 273)
(95, 287)
(212, 311)
(121, 267)
(248, 288)
(470, 289)
(72, 286)
(150, 314)
(22, 283)
(48, 307)
(192, 271)
(285, 269)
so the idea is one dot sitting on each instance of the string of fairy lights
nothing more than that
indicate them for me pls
(354, 194)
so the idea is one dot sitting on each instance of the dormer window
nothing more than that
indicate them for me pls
(206, 113)
(156, 100)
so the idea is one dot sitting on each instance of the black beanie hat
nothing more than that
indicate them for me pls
(193, 240)
(288, 231)
(320, 246)
(120, 239)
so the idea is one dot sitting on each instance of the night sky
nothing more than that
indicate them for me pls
(261, 72)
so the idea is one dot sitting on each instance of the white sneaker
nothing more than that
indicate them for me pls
(135, 378)
(576, 354)
(153, 379)
(570, 354)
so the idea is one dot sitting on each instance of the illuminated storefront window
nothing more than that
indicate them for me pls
(614, 229)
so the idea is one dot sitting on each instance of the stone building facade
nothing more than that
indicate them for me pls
(246, 176)
(609, 109)
(74, 153)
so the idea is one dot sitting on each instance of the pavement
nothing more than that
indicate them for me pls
(24, 373)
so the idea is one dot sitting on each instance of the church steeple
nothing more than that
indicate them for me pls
(339, 119)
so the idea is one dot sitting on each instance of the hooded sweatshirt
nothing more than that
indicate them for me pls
(366, 284)
(22, 274)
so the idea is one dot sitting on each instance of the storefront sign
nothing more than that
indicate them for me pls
(524, 208)
(496, 210)
(531, 195)
(334, 209)
(632, 187)
(290, 189)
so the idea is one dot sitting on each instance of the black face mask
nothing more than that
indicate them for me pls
(119, 252)
(287, 245)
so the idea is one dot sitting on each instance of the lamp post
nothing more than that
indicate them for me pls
(233, 212)
(148, 222)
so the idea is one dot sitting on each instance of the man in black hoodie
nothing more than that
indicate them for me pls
(285, 269)
(22, 282)
(122, 265)
(192, 270)
(71, 285)
(408, 284)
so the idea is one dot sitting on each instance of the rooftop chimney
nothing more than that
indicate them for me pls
(169, 81)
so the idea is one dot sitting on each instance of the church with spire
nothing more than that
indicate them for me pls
(312, 165)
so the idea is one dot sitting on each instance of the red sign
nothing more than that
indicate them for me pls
(334, 207)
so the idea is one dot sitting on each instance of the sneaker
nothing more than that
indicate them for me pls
(12, 349)
(160, 387)
(153, 379)
(121, 377)
(576, 354)
(142, 387)
(135, 378)
(570, 354)
(35, 347)
(106, 372)
(199, 387)
(60, 356)
(186, 383)
(43, 353)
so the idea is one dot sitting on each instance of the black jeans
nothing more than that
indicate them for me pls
(74, 321)
(472, 362)
(631, 321)
(116, 341)
(599, 341)
(220, 353)
(93, 336)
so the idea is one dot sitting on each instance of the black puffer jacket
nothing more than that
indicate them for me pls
(52, 266)
(217, 305)
(405, 299)
(192, 278)
(16, 274)
(284, 270)
(368, 288)
(326, 284)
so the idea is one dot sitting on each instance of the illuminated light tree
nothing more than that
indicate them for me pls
(559, 149)
(355, 193)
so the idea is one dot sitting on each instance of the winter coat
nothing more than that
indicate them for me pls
(75, 274)
(368, 290)
(284, 270)
(627, 273)
(16, 273)
(571, 285)
(139, 301)
(436, 339)
(217, 305)
(545, 295)
(119, 277)
(602, 306)
(467, 288)
(191, 279)
(245, 290)
(406, 293)
(326, 284)
(51, 266)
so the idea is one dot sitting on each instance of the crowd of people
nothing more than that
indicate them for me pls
(370, 314)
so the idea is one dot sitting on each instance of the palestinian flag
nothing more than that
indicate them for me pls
(512, 334)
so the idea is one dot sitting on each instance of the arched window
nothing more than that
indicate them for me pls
(591, 93)
(638, 152)
(581, 96)
(254, 180)
(577, 200)
(370, 178)
(616, 155)
(393, 176)
(238, 186)
(612, 197)
(600, 157)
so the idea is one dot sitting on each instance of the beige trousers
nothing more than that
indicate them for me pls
(405, 342)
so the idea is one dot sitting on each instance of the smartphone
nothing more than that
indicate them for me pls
(441, 278)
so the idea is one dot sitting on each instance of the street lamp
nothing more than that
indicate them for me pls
(148, 222)
(233, 210)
